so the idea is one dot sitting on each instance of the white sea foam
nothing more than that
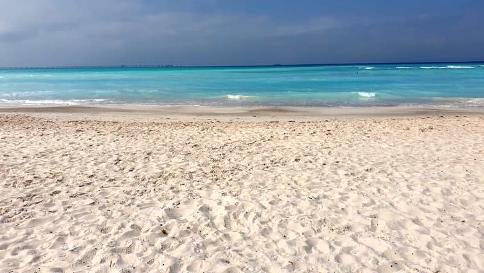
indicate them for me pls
(367, 94)
(476, 101)
(459, 102)
(369, 68)
(404, 67)
(460, 67)
(448, 67)
(433, 67)
(38, 102)
(49, 102)
(237, 97)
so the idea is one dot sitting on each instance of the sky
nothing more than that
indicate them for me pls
(238, 32)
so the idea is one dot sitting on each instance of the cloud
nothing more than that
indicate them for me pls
(70, 33)
(113, 32)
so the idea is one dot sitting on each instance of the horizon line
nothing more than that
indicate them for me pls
(242, 66)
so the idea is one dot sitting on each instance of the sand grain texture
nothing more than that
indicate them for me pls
(369, 195)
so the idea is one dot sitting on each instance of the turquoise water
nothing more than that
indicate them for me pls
(323, 85)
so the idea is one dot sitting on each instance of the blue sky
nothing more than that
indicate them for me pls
(236, 32)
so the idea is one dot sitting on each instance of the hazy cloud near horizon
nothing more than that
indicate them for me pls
(217, 32)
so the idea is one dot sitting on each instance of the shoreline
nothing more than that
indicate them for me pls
(128, 112)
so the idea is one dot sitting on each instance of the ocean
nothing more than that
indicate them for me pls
(306, 85)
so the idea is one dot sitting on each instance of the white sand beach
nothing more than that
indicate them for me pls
(106, 190)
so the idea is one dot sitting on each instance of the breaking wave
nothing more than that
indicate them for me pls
(367, 94)
(237, 97)
(448, 67)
